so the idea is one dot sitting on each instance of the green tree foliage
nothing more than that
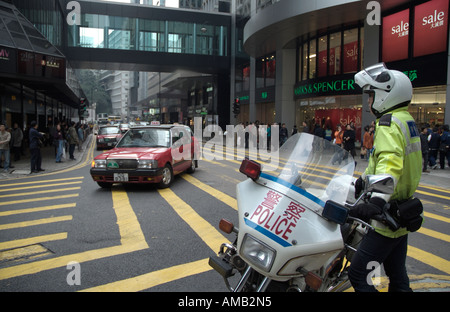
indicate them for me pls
(95, 90)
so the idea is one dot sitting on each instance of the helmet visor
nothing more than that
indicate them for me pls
(375, 70)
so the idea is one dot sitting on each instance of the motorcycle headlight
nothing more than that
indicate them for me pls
(258, 253)
(147, 164)
(99, 163)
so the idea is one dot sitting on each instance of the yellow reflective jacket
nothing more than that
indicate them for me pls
(397, 152)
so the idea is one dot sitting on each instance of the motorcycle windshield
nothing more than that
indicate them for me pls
(314, 167)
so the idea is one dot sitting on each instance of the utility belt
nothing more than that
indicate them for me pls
(400, 214)
(408, 213)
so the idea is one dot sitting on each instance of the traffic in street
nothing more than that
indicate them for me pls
(60, 231)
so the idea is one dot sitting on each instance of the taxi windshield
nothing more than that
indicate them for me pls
(108, 130)
(146, 137)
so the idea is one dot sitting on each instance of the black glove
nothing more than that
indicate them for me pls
(359, 186)
(366, 211)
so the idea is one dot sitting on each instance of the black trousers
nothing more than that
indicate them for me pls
(376, 249)
(36, 159)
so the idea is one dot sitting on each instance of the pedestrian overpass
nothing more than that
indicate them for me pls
(134, 37)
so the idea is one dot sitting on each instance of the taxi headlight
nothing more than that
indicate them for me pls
(147, 164)
(258, 253)
(101, 140)
(101, 163)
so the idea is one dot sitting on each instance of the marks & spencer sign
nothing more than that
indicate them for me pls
(336, 85)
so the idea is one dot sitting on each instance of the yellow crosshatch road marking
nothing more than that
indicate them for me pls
(155, 278)
(227, 199)
(34, 222)
(39, 186)
(42, 192)
(204, 230)
(132, 239)
(40, 181)
(430, 259)
(36, 209)
(30, 241)
(29, 200)
(22, 252)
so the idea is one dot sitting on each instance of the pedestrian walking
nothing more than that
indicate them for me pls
(59, 143)
(433, 147)
(424, 146)
(72, 139)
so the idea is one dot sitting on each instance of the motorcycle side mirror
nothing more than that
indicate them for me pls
(335, 212)
(383, 184)
(380, 184)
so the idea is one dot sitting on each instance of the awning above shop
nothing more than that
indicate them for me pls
(28, 58)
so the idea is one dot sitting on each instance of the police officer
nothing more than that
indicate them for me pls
(397, 152)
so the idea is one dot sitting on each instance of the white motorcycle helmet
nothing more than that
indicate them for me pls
(391, 88)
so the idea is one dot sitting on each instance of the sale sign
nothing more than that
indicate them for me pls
(430, 27)
(395, 36)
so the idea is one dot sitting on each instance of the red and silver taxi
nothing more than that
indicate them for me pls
(107, 137)
(149, 154)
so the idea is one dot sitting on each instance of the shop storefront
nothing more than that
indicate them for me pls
(413, 39)
(34, 75)
(325, 92)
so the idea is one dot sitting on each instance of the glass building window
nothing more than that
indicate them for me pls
(265, 71)
(322, 56)
(351, 50)
(335, 54)
(151, 35)
(312, 59)
(305, 58)
(330, 54)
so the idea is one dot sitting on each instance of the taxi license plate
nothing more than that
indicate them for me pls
(120, 177)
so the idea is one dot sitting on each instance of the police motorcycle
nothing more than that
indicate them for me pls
(294, 231)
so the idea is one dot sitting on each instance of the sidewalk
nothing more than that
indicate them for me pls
(437, 177)
(22, 166)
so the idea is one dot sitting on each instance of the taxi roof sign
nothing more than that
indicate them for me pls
(155, 123)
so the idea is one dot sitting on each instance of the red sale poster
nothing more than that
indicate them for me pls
(430, 27)
(395, 36)
(351, 57)
(334, 117)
